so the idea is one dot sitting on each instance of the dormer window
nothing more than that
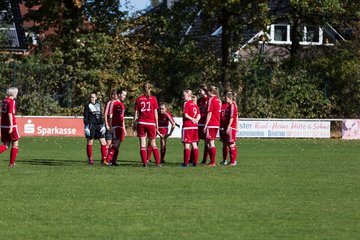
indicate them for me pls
(280, 34)
(312, 35)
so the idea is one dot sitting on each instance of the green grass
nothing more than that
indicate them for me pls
(281, 189)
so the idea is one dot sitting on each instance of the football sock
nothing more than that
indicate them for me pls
(3, 148)
(13, 154)
(186, 156)
(195, 151)
(110, 155)
(104, 151)
(191, 156)
(143, 155)
(163, 152)
(233, 153)
(212, 153)
(116, 154)
(156, 155)
(89, 151)
(149, 150)
(225, 152)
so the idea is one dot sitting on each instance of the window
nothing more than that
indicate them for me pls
(280, 33)
(312, 35)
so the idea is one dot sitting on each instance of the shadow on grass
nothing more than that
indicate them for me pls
(71, 163)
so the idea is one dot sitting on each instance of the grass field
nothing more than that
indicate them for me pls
(281, 189)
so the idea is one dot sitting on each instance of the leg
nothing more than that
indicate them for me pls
(225, 152)
(195, 151)
(233, 154)
(89, 151)
(4, 146)
(112, 152)
(149, 150)
(14, 152)
(155, 151)
(186, 154)
(206, 153)
(142, 142)
(212, 152)
(163, 149)
(103, 149)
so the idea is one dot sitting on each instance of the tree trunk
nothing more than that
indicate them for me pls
(225, 50)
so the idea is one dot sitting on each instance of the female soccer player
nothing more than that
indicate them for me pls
(94, 127)
(212, 123)
(117, 126)
(223, 137)
(9, 130)
(191, 117)
(146, 123)
(165, 118)
(231, 119)
(113, 96)
(202, 103)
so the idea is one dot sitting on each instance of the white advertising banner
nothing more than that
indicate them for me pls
(351, 129)
(275, 129)
(283, 129)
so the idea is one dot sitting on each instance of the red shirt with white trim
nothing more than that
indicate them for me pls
(190, 108)
(8, 106)
(222, 115)
(117, 110)
(231, 112)
(164, 119)
(146, 107)
(214, 106)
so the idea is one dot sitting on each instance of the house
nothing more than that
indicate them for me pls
(11, 28)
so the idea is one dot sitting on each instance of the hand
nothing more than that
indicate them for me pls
(10, 129)
(87, 132)
(167, 135)
(205, 128)
(103, 130)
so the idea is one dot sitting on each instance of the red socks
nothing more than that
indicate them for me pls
(156, 155)
(89, 152)
(143, 155)
(233, 153)
(195, 152)
(149, 150)
(3, 148)
(104, 151)
(186, 155)
(13, 154)
(212, 153)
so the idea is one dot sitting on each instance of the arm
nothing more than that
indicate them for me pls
(11, 122)
(135, 119)
(107, 120)
(173, 124)
(208, 117)
(156, 119)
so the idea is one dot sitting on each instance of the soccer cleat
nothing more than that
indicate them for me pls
(105, 163)
(233, 164)
(91, 162)
(12, 165)
(163, 161)
(224, 162)
(145, 165)
(114, 164)
(211, 164)
(203, 162)
(194, 164)
(184, 165)
(158, 165)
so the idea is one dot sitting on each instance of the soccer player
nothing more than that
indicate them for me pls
(223, 137)
(212, 123)
(113, 96)
(202, 103)
(165, 118)
(146, 123)
(94, 127)
(9, 130)
(117, 126)
(191, 117)
(231, 121)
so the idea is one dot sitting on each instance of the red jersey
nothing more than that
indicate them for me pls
(117, 110)
(146, 107)
(164, 119)
(231, 112)
(214, 106)
(222, 115)
(202, 104)
(8, 106)
(107, 108)
(190, 108)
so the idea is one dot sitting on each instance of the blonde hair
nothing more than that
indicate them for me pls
(214, 90)
(12, 91)
(147, 89)
(194, 98)
(189, 92)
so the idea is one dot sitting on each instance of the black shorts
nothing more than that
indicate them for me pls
(108, 135)
(95, 131)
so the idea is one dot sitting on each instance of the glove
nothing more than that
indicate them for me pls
(87, 131)
(103, 130)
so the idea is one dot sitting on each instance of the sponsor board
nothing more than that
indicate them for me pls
(283, 129)
(50, 126)
(351, 129)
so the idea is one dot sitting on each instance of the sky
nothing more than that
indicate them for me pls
(139, 4)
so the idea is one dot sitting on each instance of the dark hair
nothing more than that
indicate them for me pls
(203, 87)
(93, 92)
(147, 89)
(120, 91)
(214, 90)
